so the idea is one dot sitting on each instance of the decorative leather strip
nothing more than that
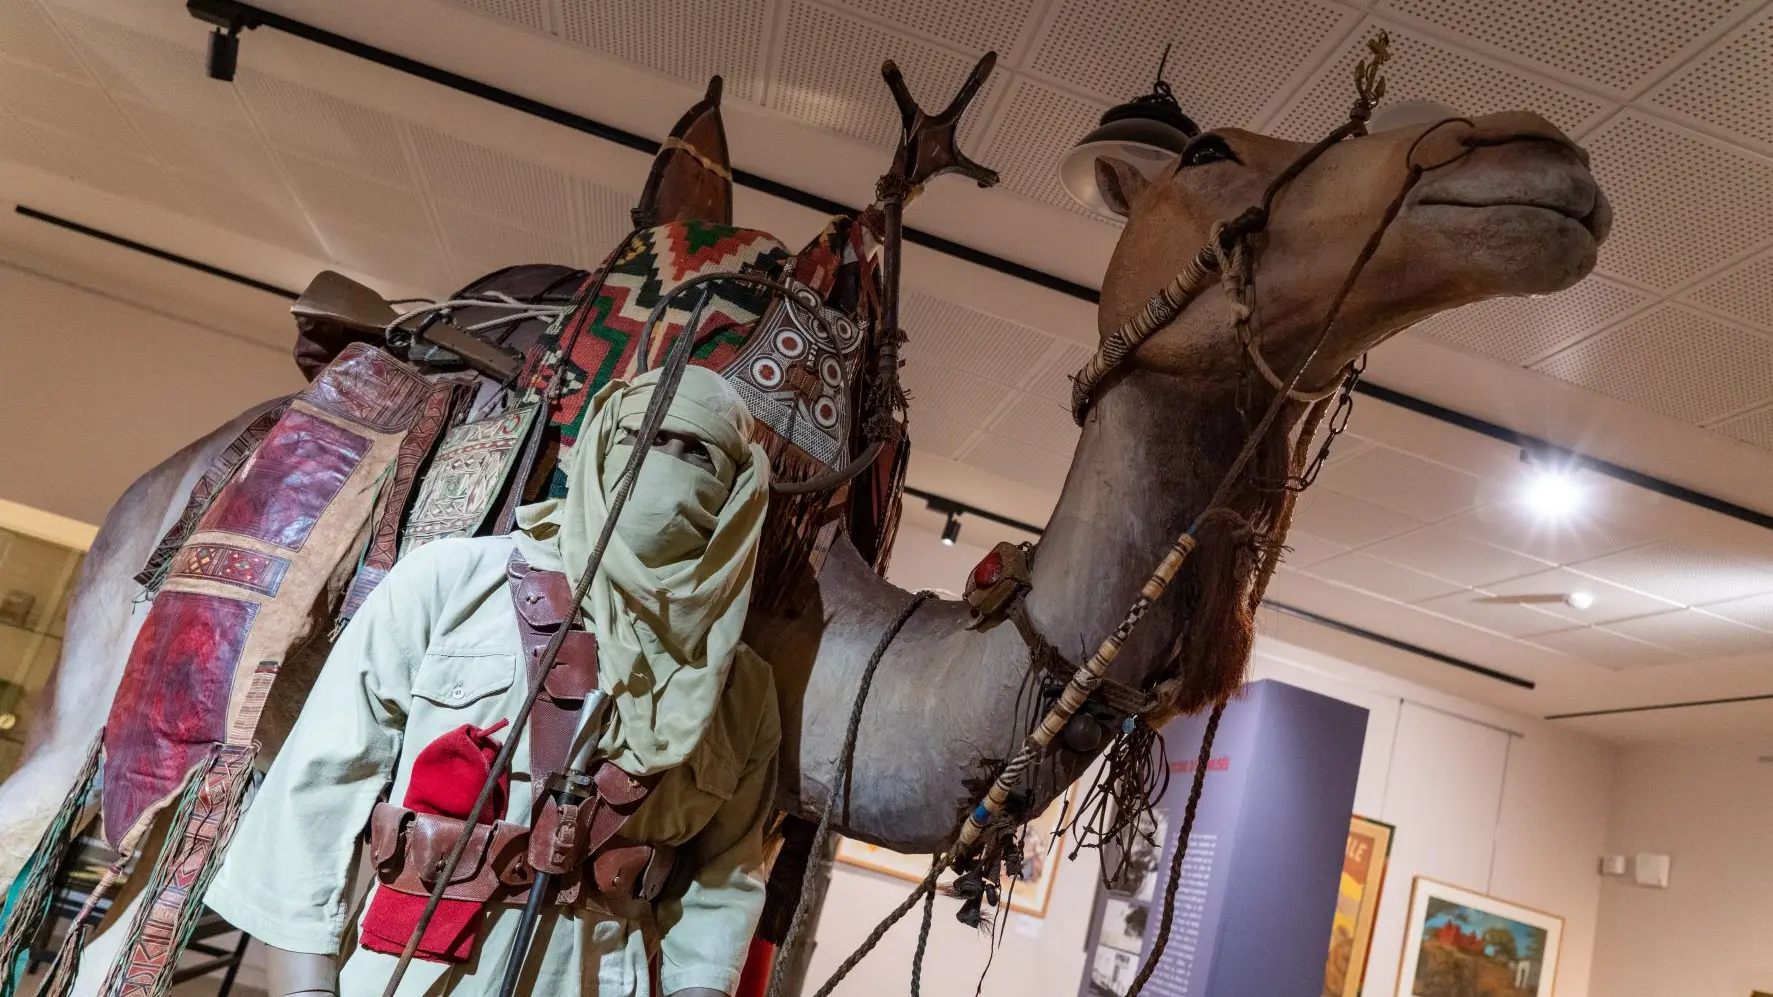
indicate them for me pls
(246, 721)
(249, 569)
(296, 474)
(369, 386)
(466, 477)
(221, 468)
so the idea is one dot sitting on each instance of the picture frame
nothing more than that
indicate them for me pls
(1030, 896)
(1365, 861)
(1460, 941)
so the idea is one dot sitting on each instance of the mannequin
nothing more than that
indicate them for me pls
(429, 671)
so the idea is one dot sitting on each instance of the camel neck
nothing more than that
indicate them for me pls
(1152, 451)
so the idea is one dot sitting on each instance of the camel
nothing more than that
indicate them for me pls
(1510, 209)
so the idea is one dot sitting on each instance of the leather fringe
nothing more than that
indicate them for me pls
(28, 899)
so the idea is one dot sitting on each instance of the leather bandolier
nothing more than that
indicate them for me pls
(580, 844)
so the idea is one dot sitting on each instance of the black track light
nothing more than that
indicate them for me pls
(951, 529)
(229, 20)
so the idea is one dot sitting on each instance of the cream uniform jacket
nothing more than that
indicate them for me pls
(435, 647)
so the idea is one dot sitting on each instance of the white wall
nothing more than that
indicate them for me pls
(1487, 800)
(1710, 933)
(94, 391)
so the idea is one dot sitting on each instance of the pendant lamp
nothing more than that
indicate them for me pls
(1146, 132)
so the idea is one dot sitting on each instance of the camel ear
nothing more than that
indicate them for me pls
(1120, 183)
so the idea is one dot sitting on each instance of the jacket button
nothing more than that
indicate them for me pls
(456, 693)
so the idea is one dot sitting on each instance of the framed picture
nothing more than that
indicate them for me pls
(1458, 943)
(1040, 860)
(1357, 905)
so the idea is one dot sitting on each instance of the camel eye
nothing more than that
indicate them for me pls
(1207, 148)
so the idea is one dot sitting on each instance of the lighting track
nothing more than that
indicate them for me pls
(154, 251)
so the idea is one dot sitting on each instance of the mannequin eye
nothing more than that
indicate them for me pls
(1205, 149)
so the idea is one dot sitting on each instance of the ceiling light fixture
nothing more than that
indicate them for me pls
(1552, 489)
(224, 42)
(951, 529)
(1146, 132)
(1579, 599)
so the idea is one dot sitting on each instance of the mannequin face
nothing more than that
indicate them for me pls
(682, 446)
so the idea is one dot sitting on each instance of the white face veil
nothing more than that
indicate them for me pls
(669, 600)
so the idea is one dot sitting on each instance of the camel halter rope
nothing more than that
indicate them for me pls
(1229, 251)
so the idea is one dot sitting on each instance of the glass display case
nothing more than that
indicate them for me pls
(36, 580)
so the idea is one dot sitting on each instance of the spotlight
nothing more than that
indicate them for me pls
(1552, 489)
(229, 20)
(951, 529)
(1579, 599)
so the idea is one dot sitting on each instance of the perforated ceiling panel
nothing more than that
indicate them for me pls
(149, 70)
(26, 35)
(217, 155)
(1349, 521)
(1053, 380)
(494, 183)
(1522, 330)
(942, 437)
(1730, 88)
(331, 193)
(1755, 611)
(1755, 427)
(944, 333)
(1602, 647)
(531, 14)
(1019, 462)
(323, 127)
(370, 253)
(1680, 574)
(951, 394)
(98, 166)
(1615, 44)
(688, 39)
(1744, 292)
(275, 223)
(1429, 70)
(59, 103)
(1403, 483)
(1440, 551)
(978, 26)
(1038, 126)
(1695, 633)
(1682, 204)
(1038, 422)
(827, 74)
(478, 245)
(1675, 361)
(602, 219)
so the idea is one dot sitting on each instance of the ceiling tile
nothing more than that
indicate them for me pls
(237, 160)
(1035, 128)
(1613, 44)
(530, 14)
(74, 108)
(1680, 574)
(278, 224)
(691, 39)
(1039, 422)
(1404, 483)
(1696, 634)
(1052, 378)
(1611, 602)
(942, 437)
(146, 69)
(1743, 292)
(328, 192)
(1513, 620)
(1522, 330)
(490, 182)
(1381, 578)
(376, 255)
(1675, 361)
(1606, 649)
(1441, 551)
(320, 126)
(1728, 87)
(1349, 521)
(1305, 549)
(950, 393)
(1229, 61)
(27, 35)
(977, 26)
(18, 145)
(1755, 427)
(126, 176)
(1513, 527)
(601, 220)
(1430, 70)
(816, 78)
(1756, 610)
(1019, 462)
(1667, 232)
(952, 335)
(478, 245)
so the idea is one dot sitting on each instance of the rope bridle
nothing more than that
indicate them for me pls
(1229, 253)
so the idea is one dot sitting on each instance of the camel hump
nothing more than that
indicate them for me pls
(692, 177)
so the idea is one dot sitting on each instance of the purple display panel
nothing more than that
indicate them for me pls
(1264, 863)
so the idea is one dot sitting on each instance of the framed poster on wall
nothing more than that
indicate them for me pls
(1040, 860)
(1460, 943)
(1357, 906)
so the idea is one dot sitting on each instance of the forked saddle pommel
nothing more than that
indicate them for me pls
(929, 144)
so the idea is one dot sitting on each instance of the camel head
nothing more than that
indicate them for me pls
(1505, 205)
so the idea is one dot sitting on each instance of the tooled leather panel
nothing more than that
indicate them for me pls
(369, 386)
(297, 472)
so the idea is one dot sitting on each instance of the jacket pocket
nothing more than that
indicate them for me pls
(714, 765)
(455, 679)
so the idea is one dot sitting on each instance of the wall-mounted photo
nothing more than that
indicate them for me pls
(1459, 943)
(1357, 905)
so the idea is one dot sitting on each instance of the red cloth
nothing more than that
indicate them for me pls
(446, 776)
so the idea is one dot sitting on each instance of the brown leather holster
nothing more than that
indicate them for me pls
(579, 844)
